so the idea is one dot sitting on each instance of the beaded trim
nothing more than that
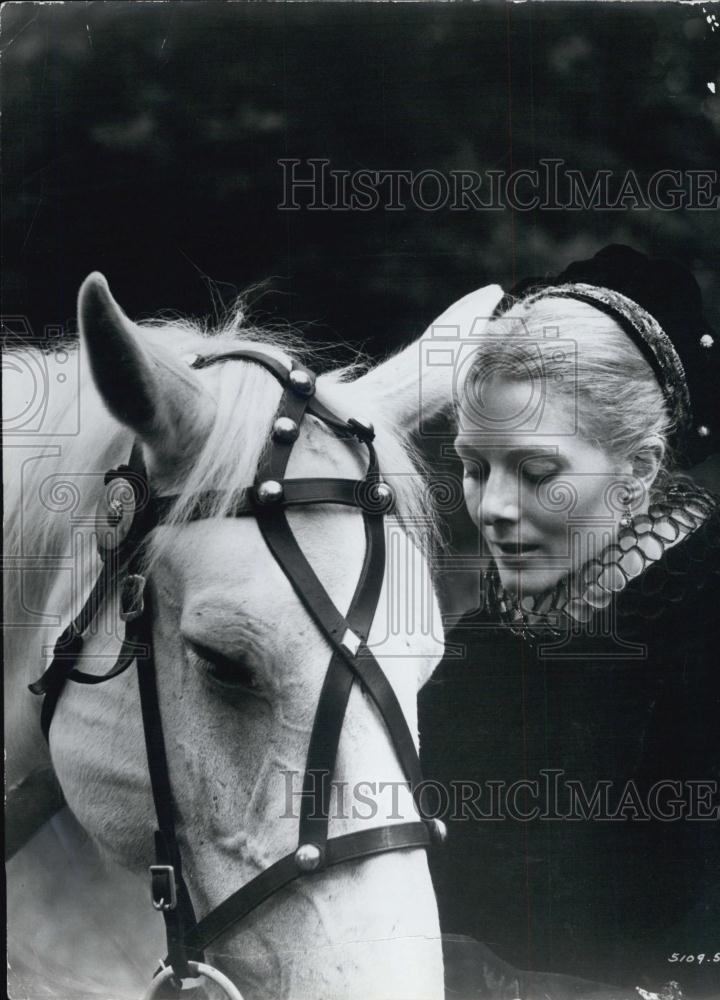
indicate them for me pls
(646, 332)
(577, 597)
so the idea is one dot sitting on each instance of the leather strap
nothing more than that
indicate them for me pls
(68, 647)
(322, 753)
(298, 492)
(347, 428)
(332, 705)
(333, 625)
(128, 652)
(276, 367)
(181, 917)
(349, 847)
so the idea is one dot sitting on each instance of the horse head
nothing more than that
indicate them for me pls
(241, 665)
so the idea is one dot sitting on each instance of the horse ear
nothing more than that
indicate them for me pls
(418, 384)
(142, 383)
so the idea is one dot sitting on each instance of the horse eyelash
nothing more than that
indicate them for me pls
(238, 672)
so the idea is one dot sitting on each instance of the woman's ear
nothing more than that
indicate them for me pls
(647, 460)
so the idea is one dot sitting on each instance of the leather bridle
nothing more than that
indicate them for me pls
(121, 543)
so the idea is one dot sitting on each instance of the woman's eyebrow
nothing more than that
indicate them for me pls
(547, 451)
(464, 447)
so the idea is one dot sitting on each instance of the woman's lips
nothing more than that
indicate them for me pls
(515, 549)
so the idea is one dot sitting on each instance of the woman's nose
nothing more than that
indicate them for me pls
(499, 500)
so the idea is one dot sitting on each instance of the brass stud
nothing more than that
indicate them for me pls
(706, 340)
(302, 382)
(270, 491)
(307, 857)
(285, 429)
(115, 514)
(703, 431)
(384, 494)
(115, 511)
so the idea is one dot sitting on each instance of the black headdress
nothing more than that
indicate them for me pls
(659, 305)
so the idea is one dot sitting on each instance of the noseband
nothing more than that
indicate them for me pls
(128, 513)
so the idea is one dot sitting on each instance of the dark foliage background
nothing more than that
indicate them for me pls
(142, 139)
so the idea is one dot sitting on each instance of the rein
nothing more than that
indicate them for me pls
(128, 513)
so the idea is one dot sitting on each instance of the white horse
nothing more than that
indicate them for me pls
(80, 915)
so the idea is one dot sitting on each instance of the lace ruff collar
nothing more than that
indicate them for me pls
(576, 598)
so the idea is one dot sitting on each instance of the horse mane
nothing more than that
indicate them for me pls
(86, 440)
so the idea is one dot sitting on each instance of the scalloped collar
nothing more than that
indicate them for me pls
(673, 515)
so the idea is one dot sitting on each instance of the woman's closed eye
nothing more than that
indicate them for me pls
(234, 674)
(537, 469)
(474, 470)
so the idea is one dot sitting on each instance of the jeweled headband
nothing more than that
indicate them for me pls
(657, 303)
(646, 333)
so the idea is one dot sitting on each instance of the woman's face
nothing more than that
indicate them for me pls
(544, 497)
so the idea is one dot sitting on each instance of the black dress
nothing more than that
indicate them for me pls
(604, 861)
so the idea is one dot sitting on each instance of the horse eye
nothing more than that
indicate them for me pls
(232, 673)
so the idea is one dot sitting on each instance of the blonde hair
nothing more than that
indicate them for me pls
(581, 353)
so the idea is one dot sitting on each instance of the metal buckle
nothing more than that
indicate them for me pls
(163, 892)
(131, 597)
(363, 430)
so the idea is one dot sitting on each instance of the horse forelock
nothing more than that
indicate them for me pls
(246, 399)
